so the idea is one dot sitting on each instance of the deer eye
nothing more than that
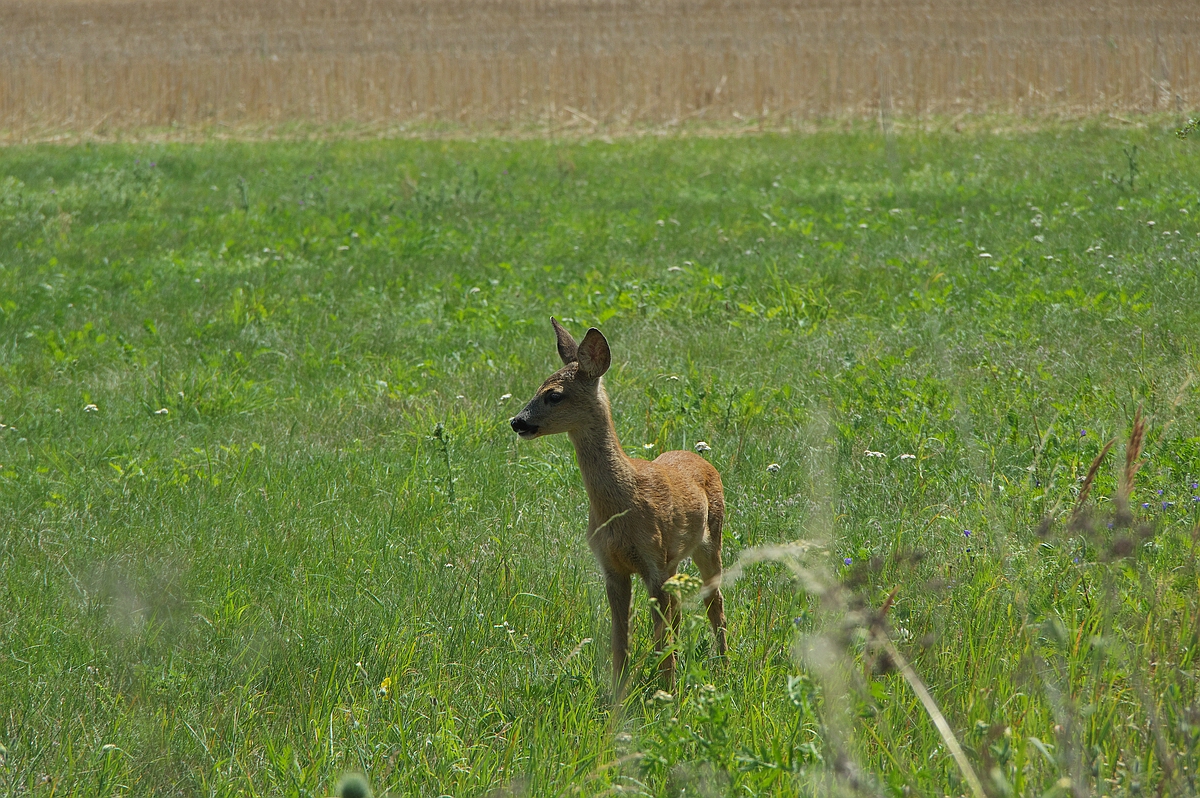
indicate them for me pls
(555, 397)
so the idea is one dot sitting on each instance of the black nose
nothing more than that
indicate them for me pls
(521, 426)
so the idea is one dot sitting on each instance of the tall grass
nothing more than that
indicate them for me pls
(108, 65)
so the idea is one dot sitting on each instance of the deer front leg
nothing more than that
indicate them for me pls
(619, 589)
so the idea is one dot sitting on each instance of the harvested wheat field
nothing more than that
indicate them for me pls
(116, 64)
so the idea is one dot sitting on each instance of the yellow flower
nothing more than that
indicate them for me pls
(681, 584)
(385, 687)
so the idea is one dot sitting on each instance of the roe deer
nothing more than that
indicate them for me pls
(644, 517)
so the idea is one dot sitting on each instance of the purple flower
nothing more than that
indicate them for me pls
(153, 164)
(1160, 491)
(1145, 505)
(966, 533)
(848, 561)
(1168, 504)
(1195, 485)
(1196, 498)
(1076, 561)
(1083, 433)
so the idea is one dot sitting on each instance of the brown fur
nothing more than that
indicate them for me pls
(645, 517)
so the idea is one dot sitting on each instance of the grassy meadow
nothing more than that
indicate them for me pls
(263, 522)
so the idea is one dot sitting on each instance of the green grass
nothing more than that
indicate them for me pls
(207, 600)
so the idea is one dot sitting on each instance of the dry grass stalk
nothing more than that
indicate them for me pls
(1091, 478)
(120, 64)
(935, 714)
(1133, 462)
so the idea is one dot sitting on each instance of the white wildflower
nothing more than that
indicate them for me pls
(908, 457)
(773, 468)
(702, 446)
(90, 408)
(162, 411)
(870, 453)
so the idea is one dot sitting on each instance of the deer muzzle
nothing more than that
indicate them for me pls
(523, 427)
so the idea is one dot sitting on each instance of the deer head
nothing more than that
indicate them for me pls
(571, 398)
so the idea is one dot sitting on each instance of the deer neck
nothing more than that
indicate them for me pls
(607, 471)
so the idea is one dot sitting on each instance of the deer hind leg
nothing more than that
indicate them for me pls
(708, 560)
(619, 589)
(665, 608)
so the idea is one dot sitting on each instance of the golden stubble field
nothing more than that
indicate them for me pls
(103, 65)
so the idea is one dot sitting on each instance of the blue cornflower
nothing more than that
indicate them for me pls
(848, 561)
(966, 533)
(1145, 505)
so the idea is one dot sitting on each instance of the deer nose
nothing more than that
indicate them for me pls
(521, 426)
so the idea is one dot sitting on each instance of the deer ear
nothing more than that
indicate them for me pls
(594, 356)
(567, 347)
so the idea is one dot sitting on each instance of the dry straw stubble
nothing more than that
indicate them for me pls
(119, 64)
